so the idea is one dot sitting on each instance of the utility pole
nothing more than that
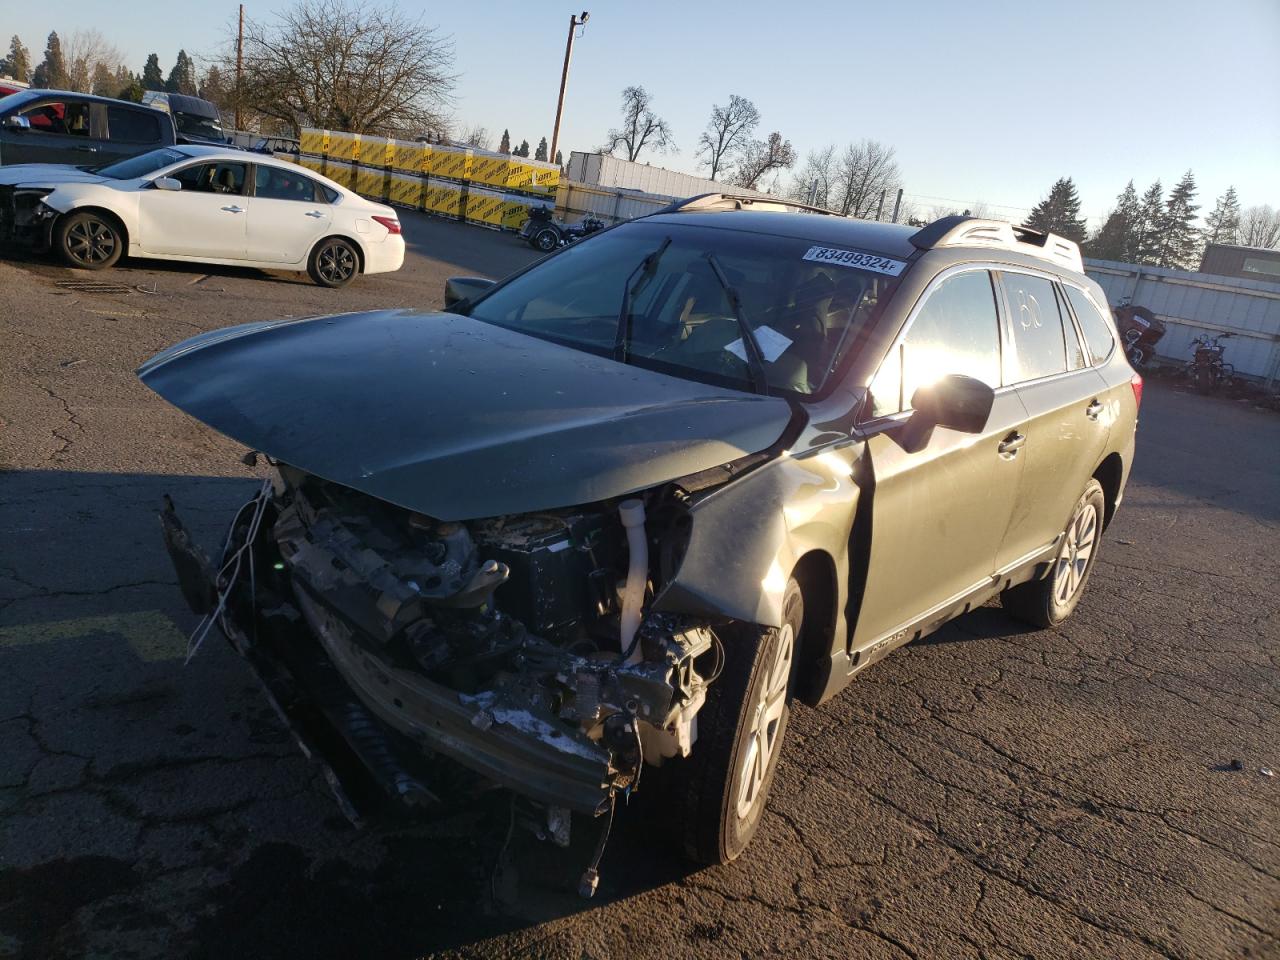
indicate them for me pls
(897, 205)
(239, 63)
(574, 23)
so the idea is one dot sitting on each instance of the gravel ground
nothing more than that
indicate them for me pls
(988, 792)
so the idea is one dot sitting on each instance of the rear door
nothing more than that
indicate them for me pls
(206, 218)
(60, 132)
(1066, 431)
(132, 130)
(939, 513)
(288, 213)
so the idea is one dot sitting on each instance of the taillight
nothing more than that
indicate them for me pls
(391, 223)
(1136, 383)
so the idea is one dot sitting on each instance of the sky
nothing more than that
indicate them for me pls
(985, 101)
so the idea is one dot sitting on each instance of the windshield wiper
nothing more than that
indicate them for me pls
(641, 275)
(755, 357)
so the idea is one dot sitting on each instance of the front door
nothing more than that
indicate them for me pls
(287, 215)
(939, 513)
(206, 218)
(59, 133)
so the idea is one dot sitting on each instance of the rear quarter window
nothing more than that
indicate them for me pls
(1035, 327)
(132, 126)
(1098, 338)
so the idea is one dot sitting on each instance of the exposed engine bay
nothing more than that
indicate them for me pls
(518, 645)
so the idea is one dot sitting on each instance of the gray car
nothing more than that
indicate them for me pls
(622, 508)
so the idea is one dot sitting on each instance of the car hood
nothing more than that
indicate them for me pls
(45, 175)
(455, 418)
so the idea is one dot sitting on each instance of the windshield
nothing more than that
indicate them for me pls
(140, 165)
(194, 125)
(692, 293)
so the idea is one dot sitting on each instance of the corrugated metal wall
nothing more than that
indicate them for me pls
(1197, 303)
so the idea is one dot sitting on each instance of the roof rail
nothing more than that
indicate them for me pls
(739, 201)
(962, 231)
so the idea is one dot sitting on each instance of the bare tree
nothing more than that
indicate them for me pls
(641, 127)
(478, 137)
(728, 130)
(84, 51)
(865, 169)
(1260, 227)
(347, 65)
(817, 175)
(760, 157)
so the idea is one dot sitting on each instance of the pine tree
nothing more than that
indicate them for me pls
(152, 78)
(1116, 239)
(51, 74)
(182, 78)
(505, 145)
(18, 63)
(1223, 223)
(1059, 212)
(213, 88)
(541, 152)
(522, 150)
(559, 159)
(1146, 249)
(1179, 240)
(104, 82)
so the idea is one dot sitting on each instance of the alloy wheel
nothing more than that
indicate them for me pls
(766, 724)
(90, 241)
(336, 263)
(1073, 558)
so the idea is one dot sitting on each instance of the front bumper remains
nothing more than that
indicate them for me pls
(25, 219)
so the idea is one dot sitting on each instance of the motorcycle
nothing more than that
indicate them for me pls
(545, 233)
(1207, 370)
(1140, 329)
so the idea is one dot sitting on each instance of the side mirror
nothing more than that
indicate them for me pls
(458, 289)
(167, 183)
(17, 123)
(956, 402)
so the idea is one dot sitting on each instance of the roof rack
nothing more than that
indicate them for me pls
(962, 231)
(706, 202)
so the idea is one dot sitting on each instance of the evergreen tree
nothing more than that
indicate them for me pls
(103, 81)
(182, 78)
(51, 74)
(522, 150)
(559, 159)
(1146, 249)
(214, 89)
(1179, 240)
(18, 63)
(1059, 212)
(1223, 223)
(1116, 239)
(131, 89)
(505, 145)
(541, 152)
(152, 78)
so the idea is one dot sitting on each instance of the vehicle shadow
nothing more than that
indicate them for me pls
(130, 270)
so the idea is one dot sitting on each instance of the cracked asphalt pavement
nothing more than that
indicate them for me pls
(988, 792)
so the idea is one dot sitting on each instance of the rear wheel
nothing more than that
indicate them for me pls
(334, 263)
(1049, 601)
(89, 240)
(546, 239)
(725, 782)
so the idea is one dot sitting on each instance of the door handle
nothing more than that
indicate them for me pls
(87, 149)
(1093, 410)
(315, 213)
(234, 209)
(1011, 444)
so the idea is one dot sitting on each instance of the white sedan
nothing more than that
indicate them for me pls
(205, 205)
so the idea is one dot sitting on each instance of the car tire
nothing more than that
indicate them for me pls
(546, 240)
(724, 783)
(89, 240)
(334, 262)
(1050, 600)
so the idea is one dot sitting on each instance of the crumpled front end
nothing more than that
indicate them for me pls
(388, 639)
(24, 216)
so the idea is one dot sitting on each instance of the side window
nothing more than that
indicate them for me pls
(277, 183)
(956, 331)
(67, 119)
(133, 126)
(1035, 327)
(1098, 337)
(1075, 350)
(212, 178)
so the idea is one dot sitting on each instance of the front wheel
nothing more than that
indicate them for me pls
(546, 240)
(334, 263)
(89, 240)
(1049, 601)
(1205, 379)
(725, 782)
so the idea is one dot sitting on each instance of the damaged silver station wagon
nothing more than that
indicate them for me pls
(621, 508)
